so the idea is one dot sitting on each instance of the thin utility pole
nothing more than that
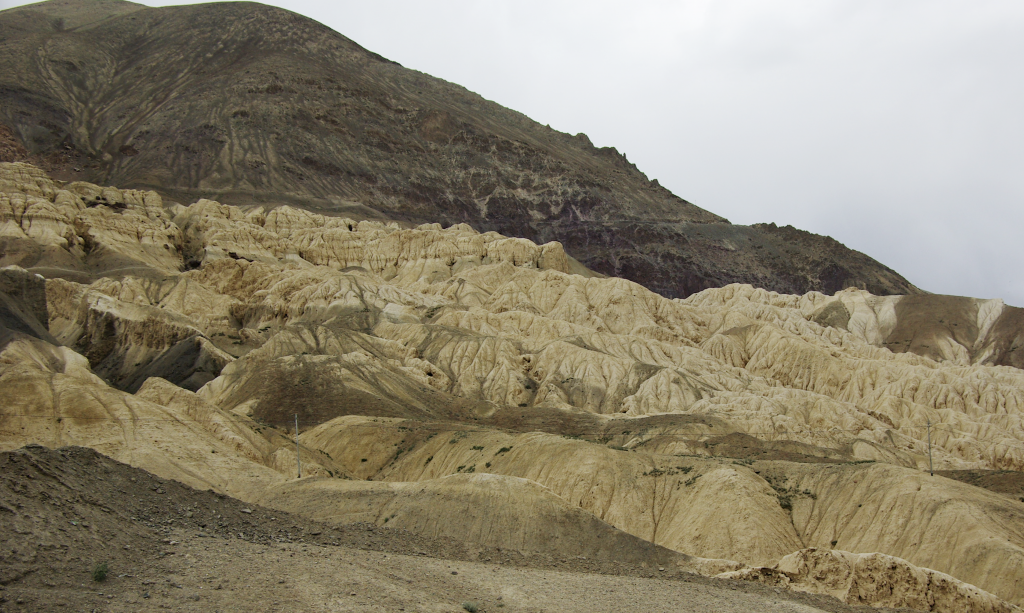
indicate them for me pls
(298, 460)
(932, 472)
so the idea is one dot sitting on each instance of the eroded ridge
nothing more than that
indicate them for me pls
(441, 373)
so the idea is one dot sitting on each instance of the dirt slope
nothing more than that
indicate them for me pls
(252, 104)
(63, 512)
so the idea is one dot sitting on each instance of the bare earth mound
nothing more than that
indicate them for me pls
(65, 512)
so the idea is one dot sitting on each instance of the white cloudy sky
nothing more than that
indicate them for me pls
(895, 126)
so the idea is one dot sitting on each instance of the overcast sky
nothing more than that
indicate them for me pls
(895, 126)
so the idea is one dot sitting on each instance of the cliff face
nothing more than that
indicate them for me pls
(253, 104)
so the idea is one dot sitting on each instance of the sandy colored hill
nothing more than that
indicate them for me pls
(468, 385)
(168, 546)
(252, 104)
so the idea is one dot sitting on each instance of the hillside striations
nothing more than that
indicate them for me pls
(253, 257)
(250, 104)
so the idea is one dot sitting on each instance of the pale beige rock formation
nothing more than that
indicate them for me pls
(718, 508)
(129, 340)
(873, 579)
(52, 398)
(84, 227)
(682, 504)
(427, 351)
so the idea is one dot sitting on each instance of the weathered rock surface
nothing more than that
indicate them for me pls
(23, 306)
(443, 364)
(872, 579)
(257, 105)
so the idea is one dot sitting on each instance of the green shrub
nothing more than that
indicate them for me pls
(472, 607)
(100, 572)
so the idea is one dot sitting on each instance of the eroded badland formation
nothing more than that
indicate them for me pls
(302, 228)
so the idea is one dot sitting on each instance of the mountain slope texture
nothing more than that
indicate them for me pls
(470, 386)
(251, 104)
(239, 251)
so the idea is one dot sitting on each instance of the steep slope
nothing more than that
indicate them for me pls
(256, 105)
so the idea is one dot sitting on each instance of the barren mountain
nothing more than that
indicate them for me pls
(471, 386)
(239, 219)
(250, 104)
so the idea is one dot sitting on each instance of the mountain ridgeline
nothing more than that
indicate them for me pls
(251, 104)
